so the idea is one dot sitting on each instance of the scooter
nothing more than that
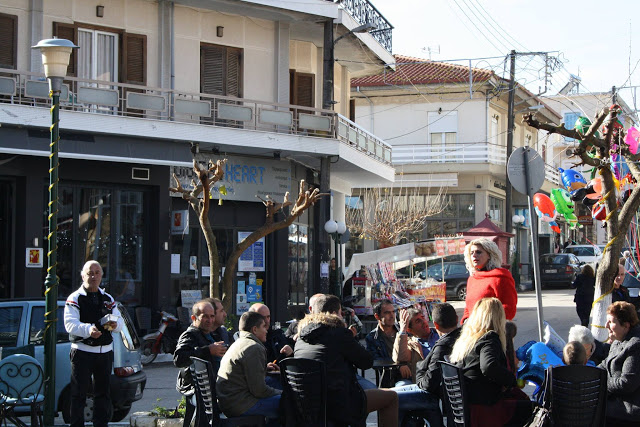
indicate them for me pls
(161, 341)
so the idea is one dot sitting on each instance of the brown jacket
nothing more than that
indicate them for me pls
(407, 350)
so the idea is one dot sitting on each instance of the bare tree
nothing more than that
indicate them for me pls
(207, 176)
(389, 214)
(594, 150)
(306, 199)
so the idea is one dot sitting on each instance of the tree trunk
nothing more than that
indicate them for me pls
(214, 260)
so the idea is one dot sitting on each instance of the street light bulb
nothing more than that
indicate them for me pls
(515, 219)
(342, 227)
(55, 56)
(522, 218)
(331, 226)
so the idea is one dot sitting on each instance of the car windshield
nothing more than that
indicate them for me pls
(581, 251)
(554, 259)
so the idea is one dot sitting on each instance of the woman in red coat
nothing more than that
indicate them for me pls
(487, 279)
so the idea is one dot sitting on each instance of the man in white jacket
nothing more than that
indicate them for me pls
(91, 344)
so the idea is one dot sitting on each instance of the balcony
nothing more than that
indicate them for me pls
(364, 12)
(103, 100)
(458, 153)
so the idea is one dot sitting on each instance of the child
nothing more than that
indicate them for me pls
(574, 354)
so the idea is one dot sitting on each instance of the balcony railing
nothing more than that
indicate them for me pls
(457, 153)
(364, 12)
(126, 100)
(552, 174)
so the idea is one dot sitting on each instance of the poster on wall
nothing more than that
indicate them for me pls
(179, 222)
(251, 259)
(33, 258)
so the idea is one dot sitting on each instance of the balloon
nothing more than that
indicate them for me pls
(594, 189)
(582, 125)
(633, 135)
(564, 205)
(546, 210)
(572, 180)
(599, 211)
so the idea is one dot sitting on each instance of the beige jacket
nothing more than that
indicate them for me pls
(407, 350)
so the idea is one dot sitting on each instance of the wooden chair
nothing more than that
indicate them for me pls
(206, 401)
(454, 401)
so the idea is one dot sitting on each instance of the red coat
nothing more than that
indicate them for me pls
(496, 283)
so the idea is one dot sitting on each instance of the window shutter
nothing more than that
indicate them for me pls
(212, 70)
(304, 94)
(234, 73)
(134, 59)
(69, 32)
(8, 41)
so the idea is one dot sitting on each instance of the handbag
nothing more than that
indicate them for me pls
(541, 416)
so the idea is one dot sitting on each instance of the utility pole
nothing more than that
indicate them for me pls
(510, 120)
(614, 95)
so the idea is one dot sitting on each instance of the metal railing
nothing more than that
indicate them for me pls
(552, 174)
(364, 12)
(456, 153)
(151, 103)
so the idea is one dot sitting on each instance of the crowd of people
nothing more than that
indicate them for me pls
(481, 344)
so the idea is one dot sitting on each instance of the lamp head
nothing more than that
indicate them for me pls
(342, 227)
(331, 226)
(55, 56)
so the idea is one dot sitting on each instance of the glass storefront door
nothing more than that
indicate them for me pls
(6, 237)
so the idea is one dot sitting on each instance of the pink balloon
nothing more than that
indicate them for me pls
(631, 139)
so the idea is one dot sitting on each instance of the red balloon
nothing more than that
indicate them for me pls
(599, 211)
(545, 208)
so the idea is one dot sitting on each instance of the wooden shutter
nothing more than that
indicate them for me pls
(134, 59)
(69, 32)
(303, 89)
(212, 69)
(234, 73)
(8, 41)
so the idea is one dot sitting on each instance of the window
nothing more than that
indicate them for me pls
(496, 209)
(299, 256)
(8, 41)
(302, 89)
(443, 127)
(569, 123)
(10, 318)
(457, 215)
(98, 55)
(220, 70)
(36, 326)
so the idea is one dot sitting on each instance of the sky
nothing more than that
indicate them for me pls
(599, 41)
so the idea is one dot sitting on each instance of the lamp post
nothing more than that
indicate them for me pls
(55, 58)
(336, 230)
(517, 220)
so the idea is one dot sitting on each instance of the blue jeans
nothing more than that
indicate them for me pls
(267, 407)
(365, 383)
(413, 398)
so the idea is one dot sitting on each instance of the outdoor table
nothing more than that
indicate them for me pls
(384, 368)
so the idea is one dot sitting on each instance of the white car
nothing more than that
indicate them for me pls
(588, 254)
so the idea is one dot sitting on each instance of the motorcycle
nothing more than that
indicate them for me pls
(164, 340)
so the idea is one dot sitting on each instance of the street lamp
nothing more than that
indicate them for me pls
(55, 58)
(336, 230)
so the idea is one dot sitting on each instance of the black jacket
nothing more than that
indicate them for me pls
(585, 288)
(485, 371)
(324, 337)
(276, 339)
(192, 342)
(428, 375)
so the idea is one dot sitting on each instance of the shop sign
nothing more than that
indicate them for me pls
(244, 178)
(179, 222)
(254, 293)
(190, 297)
(252, 259)
(33, 258)
(585, 219)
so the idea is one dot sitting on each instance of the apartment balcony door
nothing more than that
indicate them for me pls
(98, 60)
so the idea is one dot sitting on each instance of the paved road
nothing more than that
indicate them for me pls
(559, 311)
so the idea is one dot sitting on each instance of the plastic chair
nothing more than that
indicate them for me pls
(207, 402)
(454, 396)
(304, 383)
(21, 380)
(577, 395)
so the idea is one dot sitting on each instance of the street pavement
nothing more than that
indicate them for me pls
(558, 307)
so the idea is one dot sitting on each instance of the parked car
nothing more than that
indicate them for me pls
(559, 269)
(455, 276)
(22, 325)
(589, 254)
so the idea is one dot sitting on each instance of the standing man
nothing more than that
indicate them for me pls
(219, 332)
(197, 341)
(277, 344)
(415, 348)
(91, 345)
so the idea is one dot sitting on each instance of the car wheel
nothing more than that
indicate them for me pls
(461, 292)
(119, 414)
(146, 352)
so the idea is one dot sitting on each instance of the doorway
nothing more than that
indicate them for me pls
(6, 237)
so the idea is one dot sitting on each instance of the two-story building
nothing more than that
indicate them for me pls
(152, 81)
(447, 124)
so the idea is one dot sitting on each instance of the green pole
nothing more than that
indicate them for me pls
(51, 282)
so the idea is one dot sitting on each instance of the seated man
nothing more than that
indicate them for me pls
(241, 386)
(415, 348)
(197, 341)
(574, 354)
(277, 344)
(596, 350)
(380, 341)
(323, 336)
